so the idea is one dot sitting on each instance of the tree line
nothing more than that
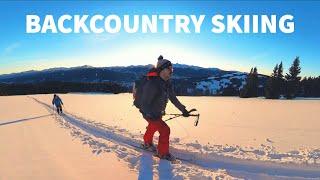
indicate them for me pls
(279, 85)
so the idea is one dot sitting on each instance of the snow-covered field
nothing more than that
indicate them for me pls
(236, 138)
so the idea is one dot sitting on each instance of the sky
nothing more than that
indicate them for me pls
(20, 51)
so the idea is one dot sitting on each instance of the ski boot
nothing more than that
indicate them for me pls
(168, 157)
(149, 147)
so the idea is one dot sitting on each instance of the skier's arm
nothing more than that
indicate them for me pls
(173, 98)
(53, 101)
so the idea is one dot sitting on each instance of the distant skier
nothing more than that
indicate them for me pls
(155, 94)
(58, 103)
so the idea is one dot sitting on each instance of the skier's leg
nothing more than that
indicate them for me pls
(59, 109)
(151, 129)
(163, 145)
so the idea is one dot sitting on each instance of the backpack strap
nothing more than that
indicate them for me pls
(152, 73)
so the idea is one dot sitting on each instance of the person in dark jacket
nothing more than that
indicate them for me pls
(57, 102)
(156, 93)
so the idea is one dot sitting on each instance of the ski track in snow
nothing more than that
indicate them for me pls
(203, 161)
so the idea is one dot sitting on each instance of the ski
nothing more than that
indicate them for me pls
(155, 154)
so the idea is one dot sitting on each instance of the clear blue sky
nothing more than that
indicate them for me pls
(20, 51)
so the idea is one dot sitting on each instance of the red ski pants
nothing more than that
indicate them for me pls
(164, 131)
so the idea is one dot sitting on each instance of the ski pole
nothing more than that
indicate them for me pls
(178, 115)
(175, 116)
(195, 122)
(192, 110)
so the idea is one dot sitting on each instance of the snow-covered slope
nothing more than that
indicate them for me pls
(252, 145)
(219, 85)
(216, 85)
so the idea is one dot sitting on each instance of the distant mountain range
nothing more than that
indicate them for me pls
(188, 80)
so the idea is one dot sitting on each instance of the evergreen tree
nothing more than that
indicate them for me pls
(255, 83)
(244, 92)
(271, 85)
(292, 79)
(251, 87)
(310, 86)
(280, 80)
(275, 72)
(274, 85)
(280, 71)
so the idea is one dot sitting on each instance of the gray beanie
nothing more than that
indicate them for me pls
(163, 63)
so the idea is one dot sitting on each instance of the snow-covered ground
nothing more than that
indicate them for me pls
(214, 85)
(236, 138)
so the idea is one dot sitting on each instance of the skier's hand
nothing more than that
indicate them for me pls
(185, 113)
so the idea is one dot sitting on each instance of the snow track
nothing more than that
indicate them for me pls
(241, 168)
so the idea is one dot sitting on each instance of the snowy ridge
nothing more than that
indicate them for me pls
(215, 85)
(207, 158)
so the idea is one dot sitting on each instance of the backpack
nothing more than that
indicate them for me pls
(138, 85)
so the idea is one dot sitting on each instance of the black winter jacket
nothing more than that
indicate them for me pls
(156, 93)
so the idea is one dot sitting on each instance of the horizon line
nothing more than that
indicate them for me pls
(86, 65)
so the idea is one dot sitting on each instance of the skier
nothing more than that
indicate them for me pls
(156, 92)
(57, 102)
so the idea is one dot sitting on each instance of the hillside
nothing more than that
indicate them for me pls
(188, 80)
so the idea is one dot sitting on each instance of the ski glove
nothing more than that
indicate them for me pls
(185, 113)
